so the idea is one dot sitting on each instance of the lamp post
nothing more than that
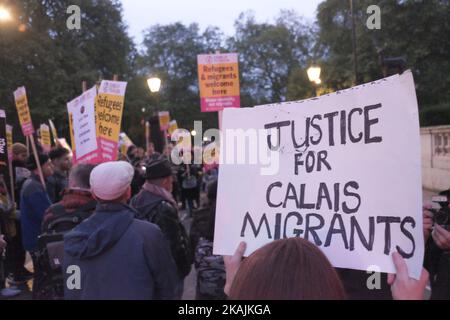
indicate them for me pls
(314, 76)
(154, 84)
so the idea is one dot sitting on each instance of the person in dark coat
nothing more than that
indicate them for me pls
(155, 204)
(15, 253)
(117, 256)
(34, 201)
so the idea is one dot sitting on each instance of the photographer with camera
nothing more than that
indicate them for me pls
(436, 228)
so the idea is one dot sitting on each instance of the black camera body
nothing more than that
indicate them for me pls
(441, 216)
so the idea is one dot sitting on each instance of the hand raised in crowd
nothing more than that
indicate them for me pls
(441, 237)
(402, 286)
(232, 264)
(2, 243)
(427, 222)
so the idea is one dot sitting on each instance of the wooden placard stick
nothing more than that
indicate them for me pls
(36, 157)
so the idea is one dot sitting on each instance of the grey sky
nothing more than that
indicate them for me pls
(141, 14)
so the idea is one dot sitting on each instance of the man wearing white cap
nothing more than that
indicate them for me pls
(118, 257)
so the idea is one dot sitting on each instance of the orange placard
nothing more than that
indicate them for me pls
(219, 81)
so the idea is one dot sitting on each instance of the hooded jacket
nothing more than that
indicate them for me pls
(118, 258)
(34, 201)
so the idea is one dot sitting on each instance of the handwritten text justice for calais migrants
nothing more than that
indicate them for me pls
(342, 197)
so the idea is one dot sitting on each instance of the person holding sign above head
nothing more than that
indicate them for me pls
(295, 269)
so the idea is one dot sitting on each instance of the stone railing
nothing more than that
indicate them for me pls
(436, 157)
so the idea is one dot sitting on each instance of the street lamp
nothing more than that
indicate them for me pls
(5, 15)
(193, 133)
(154, 84)
(314, 76)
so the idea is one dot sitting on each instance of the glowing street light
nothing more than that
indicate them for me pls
(193, 133)
(154, 84)
(5, 15)
(314, 74)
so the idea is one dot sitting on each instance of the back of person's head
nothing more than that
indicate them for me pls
(31, 161)
(157, 168)
(18, 148)
(20, 154)
(110, 181)
(288, 269)
(80, 175)
(57, 153)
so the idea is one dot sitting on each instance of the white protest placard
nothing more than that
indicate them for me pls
(344, 172)
(83, 117)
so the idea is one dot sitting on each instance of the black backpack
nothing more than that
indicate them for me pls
(51, 249)
(182, 253)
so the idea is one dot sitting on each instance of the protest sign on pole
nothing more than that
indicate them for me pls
(9, 142)
(45, 138)
(54, 132)
(335, 170)
(9, 139)
(124, 143)
(172, 126)
(218, 81)
(3, 147)
(72, 136)
(82, 110)
(164, 121)
(23, 111)
(109, 110)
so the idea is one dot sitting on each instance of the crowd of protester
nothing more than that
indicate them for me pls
(122, 224)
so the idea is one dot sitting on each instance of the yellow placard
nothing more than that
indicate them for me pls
(23, 110)
(109, 110)
(45, 137)
(54, 132)
(173, 126)
(164, 120)
(72, 140)
(9, 139)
